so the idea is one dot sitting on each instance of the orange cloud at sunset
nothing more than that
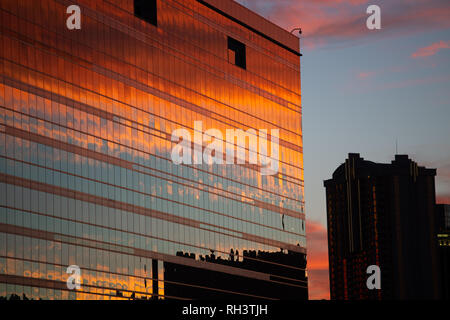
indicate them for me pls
(431, 50)
(316, 237)
(443, 199)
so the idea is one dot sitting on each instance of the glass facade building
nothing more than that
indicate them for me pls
(86, 176)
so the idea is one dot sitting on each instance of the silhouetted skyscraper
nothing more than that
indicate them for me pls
(382, 214)
(443, 239)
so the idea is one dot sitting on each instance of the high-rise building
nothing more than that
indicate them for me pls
(382, 215)
(88, 111)
(443, 239)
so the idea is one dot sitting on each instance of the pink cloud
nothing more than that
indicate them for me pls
(335, 21)
(431, 50)
(414, 82)
(443, 199)
(364, 75)
(316, 237)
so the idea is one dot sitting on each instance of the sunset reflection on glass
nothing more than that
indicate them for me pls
(86, 118)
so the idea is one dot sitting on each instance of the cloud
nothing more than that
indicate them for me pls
(366, 86)
(336, 21)
(317, 244)
(364, 75)
(431, 50)
(319, 285)
(414, 82)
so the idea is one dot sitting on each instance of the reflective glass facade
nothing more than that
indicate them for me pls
(86, 176)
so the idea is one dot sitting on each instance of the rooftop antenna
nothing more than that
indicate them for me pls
(396, 146)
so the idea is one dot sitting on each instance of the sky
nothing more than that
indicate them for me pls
(367, 91)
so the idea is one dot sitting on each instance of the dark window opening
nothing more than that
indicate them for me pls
(236, 53)
(146, 10)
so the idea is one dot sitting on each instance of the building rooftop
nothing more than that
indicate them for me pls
(255, 22)
(402, 165)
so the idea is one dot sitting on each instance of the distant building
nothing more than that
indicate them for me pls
(382, 214)
(443, 239)
(285, 267)
(443, 217)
